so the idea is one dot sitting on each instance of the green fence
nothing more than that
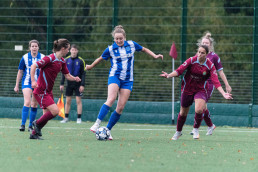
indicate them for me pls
(146, 112)
(153, 24)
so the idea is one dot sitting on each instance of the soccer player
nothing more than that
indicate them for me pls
(30, 102)
(214, 58)
(49, 67)
(194, 88)
(120, 81)
(76, 67)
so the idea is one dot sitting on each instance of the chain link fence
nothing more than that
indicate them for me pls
(152, 24)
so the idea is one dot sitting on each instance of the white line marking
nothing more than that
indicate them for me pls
(172, 128)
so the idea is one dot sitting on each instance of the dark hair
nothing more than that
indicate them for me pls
(74, 46)
(60, 43)
(32, 41)
(205, 47)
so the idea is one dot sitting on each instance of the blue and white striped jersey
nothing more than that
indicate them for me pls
(25, 65)
(122, 59)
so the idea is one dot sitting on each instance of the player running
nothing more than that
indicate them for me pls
(214, 58)
(120, 81)
(49, 67)
(194, 88)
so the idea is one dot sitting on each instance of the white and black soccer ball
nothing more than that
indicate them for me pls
(102, 133)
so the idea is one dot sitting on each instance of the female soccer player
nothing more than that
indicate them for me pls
(24, 73)
(214, 58)
(49, 67)
(194, 88)
(120, 81)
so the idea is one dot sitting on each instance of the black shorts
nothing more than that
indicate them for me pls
(73, 88)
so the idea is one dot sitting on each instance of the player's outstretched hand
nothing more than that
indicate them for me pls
(228, 89)
(88, 67)
(77, 79)
(227, 96)
(159, 56)
(164, 74)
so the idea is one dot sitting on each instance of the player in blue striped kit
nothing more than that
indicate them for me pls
(24, 73)
(120, 81)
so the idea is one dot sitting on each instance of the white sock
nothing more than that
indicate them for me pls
(98, 121)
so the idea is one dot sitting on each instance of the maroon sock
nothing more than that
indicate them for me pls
(42, 121)
(180, 122)
(207, 118)
(33, 132)
(197, 120)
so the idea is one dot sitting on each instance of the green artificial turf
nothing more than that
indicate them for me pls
(72, 147)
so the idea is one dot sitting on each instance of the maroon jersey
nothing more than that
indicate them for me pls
(214, 58)
(195, 79)
(49, 66)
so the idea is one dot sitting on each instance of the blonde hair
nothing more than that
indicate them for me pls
(118, 29)
(207, 35)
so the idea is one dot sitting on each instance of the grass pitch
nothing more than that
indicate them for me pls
(135, 148)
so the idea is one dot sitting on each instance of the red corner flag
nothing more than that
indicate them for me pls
(60, 105)
(173, 52)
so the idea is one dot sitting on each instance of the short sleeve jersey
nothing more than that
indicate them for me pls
(49, 67)
(25, 64)
(214, 58)
(122, 59)
(195, 79)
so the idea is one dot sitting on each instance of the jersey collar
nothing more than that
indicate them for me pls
(203, 63)
(115, 46)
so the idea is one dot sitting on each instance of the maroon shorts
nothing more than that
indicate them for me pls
(187, 100)
(44, 100)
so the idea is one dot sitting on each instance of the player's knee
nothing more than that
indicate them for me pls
(78, 102)
(199, 111)
(183, 114)
(119, 109)
(34, 104)
(68, 102)
(110, 102)
(55, 111)
(27, 104)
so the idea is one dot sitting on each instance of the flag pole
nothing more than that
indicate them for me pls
(173, 54)
(173, 94)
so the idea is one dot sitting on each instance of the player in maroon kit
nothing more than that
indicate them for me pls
(214, 58)
(49, 66)
(194, 87)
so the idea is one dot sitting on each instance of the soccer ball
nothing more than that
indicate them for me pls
(102, 134)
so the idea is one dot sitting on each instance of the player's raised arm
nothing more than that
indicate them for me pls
(171, 75)
(97, 61)
(148, 51)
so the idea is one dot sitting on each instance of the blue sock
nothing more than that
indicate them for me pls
(113, 120)
(25, 113)
(103, 111)
(33, 113)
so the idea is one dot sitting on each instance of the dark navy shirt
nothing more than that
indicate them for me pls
(76, 67)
